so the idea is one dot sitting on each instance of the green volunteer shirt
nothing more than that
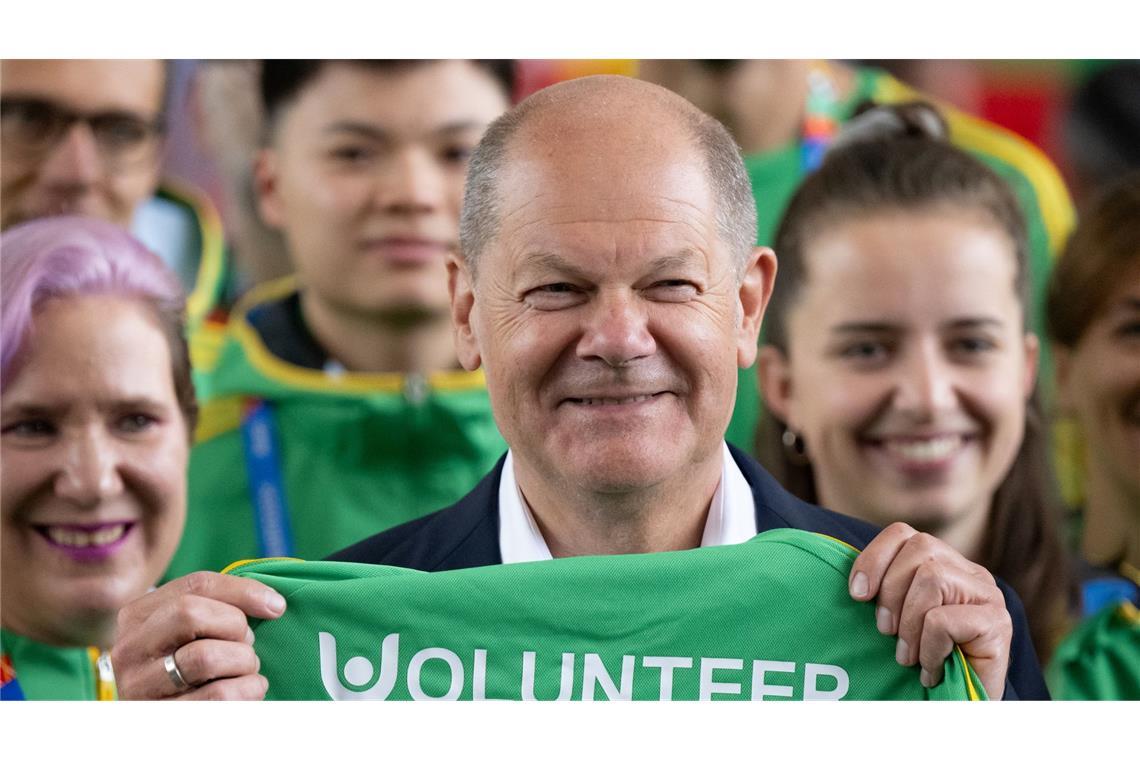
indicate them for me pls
(1100, 659)
(767, 619)
(34, 671)
(776, 174)
(355, 453)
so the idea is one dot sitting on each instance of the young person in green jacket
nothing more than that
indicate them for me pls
(785, 113)
(1094, 321)
(97, 409)
(337, 407)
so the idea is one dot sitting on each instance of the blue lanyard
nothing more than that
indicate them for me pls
(266, 487)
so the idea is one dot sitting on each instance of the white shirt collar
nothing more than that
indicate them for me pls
(731, 518)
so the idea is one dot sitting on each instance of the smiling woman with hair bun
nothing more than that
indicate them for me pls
(899, 368)
(97, 407)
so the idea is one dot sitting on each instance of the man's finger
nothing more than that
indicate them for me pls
(210, 659)
(982, 632)
(249, 687)
(871, 565)
(934, 583)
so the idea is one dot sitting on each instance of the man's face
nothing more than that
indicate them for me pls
(102, 167)
(607, 312)
(365, 178)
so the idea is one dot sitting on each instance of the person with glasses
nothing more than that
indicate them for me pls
(86, 137)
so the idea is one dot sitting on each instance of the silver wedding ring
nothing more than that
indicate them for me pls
(174, 673)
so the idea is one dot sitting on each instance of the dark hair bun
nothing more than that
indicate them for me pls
(915, 120)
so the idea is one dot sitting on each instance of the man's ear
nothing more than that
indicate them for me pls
(774, 373)
(266, 171)
(755, 291)
(461, 288)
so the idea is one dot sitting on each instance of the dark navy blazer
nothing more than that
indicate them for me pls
(466, 534)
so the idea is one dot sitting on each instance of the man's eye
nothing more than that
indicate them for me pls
(352, 154)
(673, 290)
(865, 351)
(29, 429)
(1129, 330)
(456, 154)
(553, 296)
(136, 423)
(120, 131)
(972, 345)
(29, 115)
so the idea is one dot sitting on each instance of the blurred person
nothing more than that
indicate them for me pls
(608, 283)
(898, 366)
(225, 106)
(86, 137)
(97, 408)
(784, 114)
(1100, 128)
(1094, 321)
(338, 407)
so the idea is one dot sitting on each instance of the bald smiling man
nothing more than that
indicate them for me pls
(609, 287)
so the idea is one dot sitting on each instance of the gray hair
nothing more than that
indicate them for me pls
(735, 208)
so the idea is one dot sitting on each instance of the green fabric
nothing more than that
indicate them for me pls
(776, 175)
(353, 464)
(596, 627)
(48, 672)
(1100, 659)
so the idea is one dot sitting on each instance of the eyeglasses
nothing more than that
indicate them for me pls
(32, 127)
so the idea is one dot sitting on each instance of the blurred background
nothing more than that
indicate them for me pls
(1054, 104)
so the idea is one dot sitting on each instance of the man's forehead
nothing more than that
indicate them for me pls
(89, 85)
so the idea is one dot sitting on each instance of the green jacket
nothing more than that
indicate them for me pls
(776, 175)
(31, 670)
(767, 619)
(357, 453)
(1100, 659)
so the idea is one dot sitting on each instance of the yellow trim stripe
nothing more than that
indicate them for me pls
(218, 417)
(316, 380)
(841, 542)
(243, 562)
(974, 696)
(1129, 612)
(970, 132)
(210, 267)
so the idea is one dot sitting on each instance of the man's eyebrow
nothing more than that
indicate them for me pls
(375, 132)
(683, 258)
(972, 322)
(866, 327)
(548, 260)
(29, 409)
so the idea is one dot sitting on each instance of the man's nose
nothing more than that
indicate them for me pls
(616, 331)
(90, 469)
(410, 183)
(926, 383)
(75, 159)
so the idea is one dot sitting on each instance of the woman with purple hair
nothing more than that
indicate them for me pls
(96, 413)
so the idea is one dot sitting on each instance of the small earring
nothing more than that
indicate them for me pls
(794, 447)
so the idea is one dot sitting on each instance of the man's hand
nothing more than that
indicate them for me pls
(934, 598)
(200, 619)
